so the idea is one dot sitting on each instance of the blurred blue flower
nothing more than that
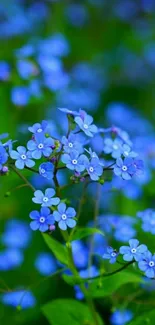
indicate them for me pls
(45, 263)
(22, 157)
(148, 220)
(113, 147)
(41, 220)
(3, 156)
(47, 199)
(26, 69)
(64, 216)
(80, 254)
(20, 95)
(10, 259)
(133, 251)
(121, 317)
(76, 14)
(22, 298)
(4, 71)
(16, 234)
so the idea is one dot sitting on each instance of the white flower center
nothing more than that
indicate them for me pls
(42, 219)
(74, 161)
(151, 263)
(85, 126)
(64, 217)
(70, 145)
(124, 168)
(113, 254)
(40, 145)
(45, 199)
(115, 147)
(91, 169)
(126, 153)
(133, 250)
(42, 170)
(23, 157)
(39, 130)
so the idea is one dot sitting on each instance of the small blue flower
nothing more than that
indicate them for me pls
(133, 251)
(127, 152)
(139, 166)
(70, 144)
(125, 168)
(41, 220)
(110, 255)
(45, 263)
(113, 147)
(22, 157)
(38, 127)
(84, 122)
(46, 170)
(22, 298)
(26, 69)
(41, 146)
(4, 71)
(148, 220)
(46, 200)
(94, 169)
(74, 161)
(121, 317)
(20, 96)
(3, 156)
(64, 216)
(147, 264)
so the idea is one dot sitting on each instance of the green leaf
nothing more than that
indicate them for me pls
(57, 249)
(145, 319)
(106, 286)
(85, 232)
(68, 311)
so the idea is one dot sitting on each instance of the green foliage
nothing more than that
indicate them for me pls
(59, 251)
(85, 232)
(144, 319)
(68, 312)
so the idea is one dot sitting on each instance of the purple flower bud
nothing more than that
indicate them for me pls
(82, 179)
(4, 169)
(51, 227)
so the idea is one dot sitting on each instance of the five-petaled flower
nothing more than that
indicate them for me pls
(70, 144)
(41, 220)
(124, 168)
(110, 255)
(47, 199)
(40, 146)
(134, 251)
(84, 122)
(46, 170)
(3, 156)
(38, 128)
(113, 147)
(94, 169)
(64, 216)
(22, 157)
(74, 161)
(147, 264)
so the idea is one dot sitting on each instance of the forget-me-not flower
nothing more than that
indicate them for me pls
(94, 169)
(41, 220)
(47, 199)
(38, 127)
(134, 251)
(74, 161)
(124, 168)
(147, 264)
(22, 157)
(46, 170)
(40, 146)
(64, 216)
(110, 255)
(84, 122)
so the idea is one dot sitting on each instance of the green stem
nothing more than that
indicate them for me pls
(22, 177)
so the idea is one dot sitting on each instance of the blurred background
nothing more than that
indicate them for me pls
(97, 55)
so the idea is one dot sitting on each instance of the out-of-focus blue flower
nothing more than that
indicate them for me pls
(110, 255)
(80, 254)
(22, 157)
(124, 168)
(74, 161)
(4, 71)
(47, 199)
(20, 95)
(3, 156)
(94, 169)
(71, 143)
(133, 251)
(22, 298)
(127, 152)
(77, 14)
(124, 231)
(121, 317)
(26, 69)
(56, 45)
(41, 146)
(56, 80)
(113, 147)
(35, 88)
(68, 111)
(38, 127)
(64, 216)
(10, 259)
(45, 263)
(41, 220)
(25, 51)
(16, 234)
(85, 124)
(148, 220)
(148, 284)
(147, 265)
(139, 166)
(90, 272)
(46, 170)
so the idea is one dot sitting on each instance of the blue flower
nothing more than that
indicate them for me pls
(26, 69)
(110, 255)
(147, 264)
(68, 111)
(38, 127)
(80, 254)
(41, 146)
(127, 152)
(94, 169)
(121, 317)
(125, 168)
(22, 298)
(46, 200)
(10, 259)
(3, 156)
(113, 147)
(41, 220)
(4, 71)
(84, 122)
(70, 144)
(133, 251)
(17, 234)
(46, 170)
(22, 157)
(139, 166)
(74, 161)
(20, 95)
(45, 263)
(148, 220)
(64, 216)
